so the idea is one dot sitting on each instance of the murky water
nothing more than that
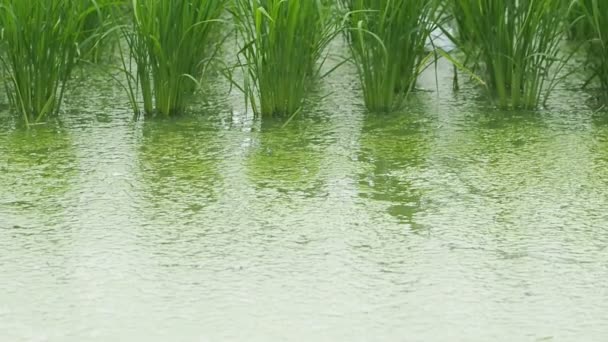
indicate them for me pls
(448, 221)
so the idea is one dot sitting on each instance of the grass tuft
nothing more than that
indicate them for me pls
(39, 51)
(281, 45)
(387, 40)
(171, 43)
(513, 44)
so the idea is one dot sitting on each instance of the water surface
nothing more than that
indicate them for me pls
(446, 221)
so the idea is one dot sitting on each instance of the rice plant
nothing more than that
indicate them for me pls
(170, 44)
(39, 51)
(514, 45)
(281, 46)
(596, 17)
(387, 40)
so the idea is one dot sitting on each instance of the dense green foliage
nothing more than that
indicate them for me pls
(39, 51)
(171, 44)
(512, 47)
(281, 44)
(513, 44)
(595, 17)
(579, 28)
(95, 42)
(387, 40)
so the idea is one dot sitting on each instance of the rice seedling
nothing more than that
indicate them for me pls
(170, 44)
(387, 40)
(514, 45)
(39, 51)
(596, 17)
(281, 47)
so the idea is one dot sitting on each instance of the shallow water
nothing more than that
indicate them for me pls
(447, 221)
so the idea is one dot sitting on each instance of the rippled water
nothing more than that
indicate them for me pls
(447, 221)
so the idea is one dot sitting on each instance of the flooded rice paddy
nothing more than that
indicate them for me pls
(446, 221)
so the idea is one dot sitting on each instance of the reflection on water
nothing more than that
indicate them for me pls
(37, 167)
(178, 165)
(491, 156)
(288, 158)
(597, 173)
(393, 151)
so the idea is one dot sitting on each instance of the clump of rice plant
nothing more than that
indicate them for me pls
(514, 45)
(387, 39)
(171, 44)
(596, 17)
(39, 51)
(281, 45)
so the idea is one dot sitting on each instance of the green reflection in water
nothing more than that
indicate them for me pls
(393, 152)
(287, 159)
(496, 143)
(178, 165)
(509, 173)
(599, 171)
(37, 168)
